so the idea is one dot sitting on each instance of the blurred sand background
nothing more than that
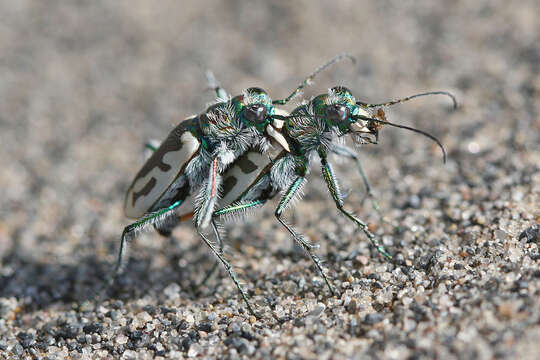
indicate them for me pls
(84, 83)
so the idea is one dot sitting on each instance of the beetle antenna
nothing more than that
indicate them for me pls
(310, 77)
(407, 128)
(399, 101)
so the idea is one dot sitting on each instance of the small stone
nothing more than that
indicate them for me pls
(409, 325)
(500, 234)
(372, 319)
(150, 309)
(17, 349)
(234, 327)
(194, 350)
(129, 355)
(25, 339)
(93, 328)
(144, 317)
(190, 319)
(150, 326)
(172, 291)
(531, 234)
(351, 306)
(360, 261)
(506, 310)
(159, 347)
(480, 219)
(121, 339)
(86, 306)
(413, 202)
(290, 287)
(205, 326)
(114, 315)
(318, 310)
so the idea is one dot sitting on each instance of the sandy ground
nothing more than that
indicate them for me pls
(84, 84)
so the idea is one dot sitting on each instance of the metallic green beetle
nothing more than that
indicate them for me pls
(312, 129)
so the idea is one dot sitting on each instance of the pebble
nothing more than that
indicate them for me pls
(500, 234)
(129, 355)
(318, 310)
(351, 306)
(531, 234)
(121, 339)
(194, 350)
(372, 319)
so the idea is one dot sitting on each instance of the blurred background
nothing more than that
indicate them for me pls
(84, 84)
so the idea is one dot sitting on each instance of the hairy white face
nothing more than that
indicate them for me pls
(360, 131)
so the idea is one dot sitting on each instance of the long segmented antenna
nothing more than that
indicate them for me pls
(399, 101)
(214, 85)
(407, 128)
(310, 77)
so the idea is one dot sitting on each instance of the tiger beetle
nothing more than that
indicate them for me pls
(183, 176)
(313, 128)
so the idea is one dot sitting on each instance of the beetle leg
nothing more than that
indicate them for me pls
(332, 184)
(346, 152)
(238, 207)
(221, 246)
(209, 196)
(213, 84)
(290, 194)
(131, 230)
(231, 209)
(218, 253)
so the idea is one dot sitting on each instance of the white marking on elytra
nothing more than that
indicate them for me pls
(243, 180)
(163, 179)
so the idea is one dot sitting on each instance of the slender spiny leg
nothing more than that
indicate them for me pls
(229, 269)
(213, 84)
(310, 77)
(307, 246)
(218, 236)
(331, 182)
(346, 152)
(210, 196)
(130, 231)
(238, 207)
(221, 246)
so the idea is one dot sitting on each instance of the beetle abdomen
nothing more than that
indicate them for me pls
(161, 169)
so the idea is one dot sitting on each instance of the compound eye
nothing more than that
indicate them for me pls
(256, 91)
(337, 114)
(255, 114)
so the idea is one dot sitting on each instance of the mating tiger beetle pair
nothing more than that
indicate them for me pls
(241, 152)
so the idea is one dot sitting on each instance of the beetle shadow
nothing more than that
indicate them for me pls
(49, 283)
